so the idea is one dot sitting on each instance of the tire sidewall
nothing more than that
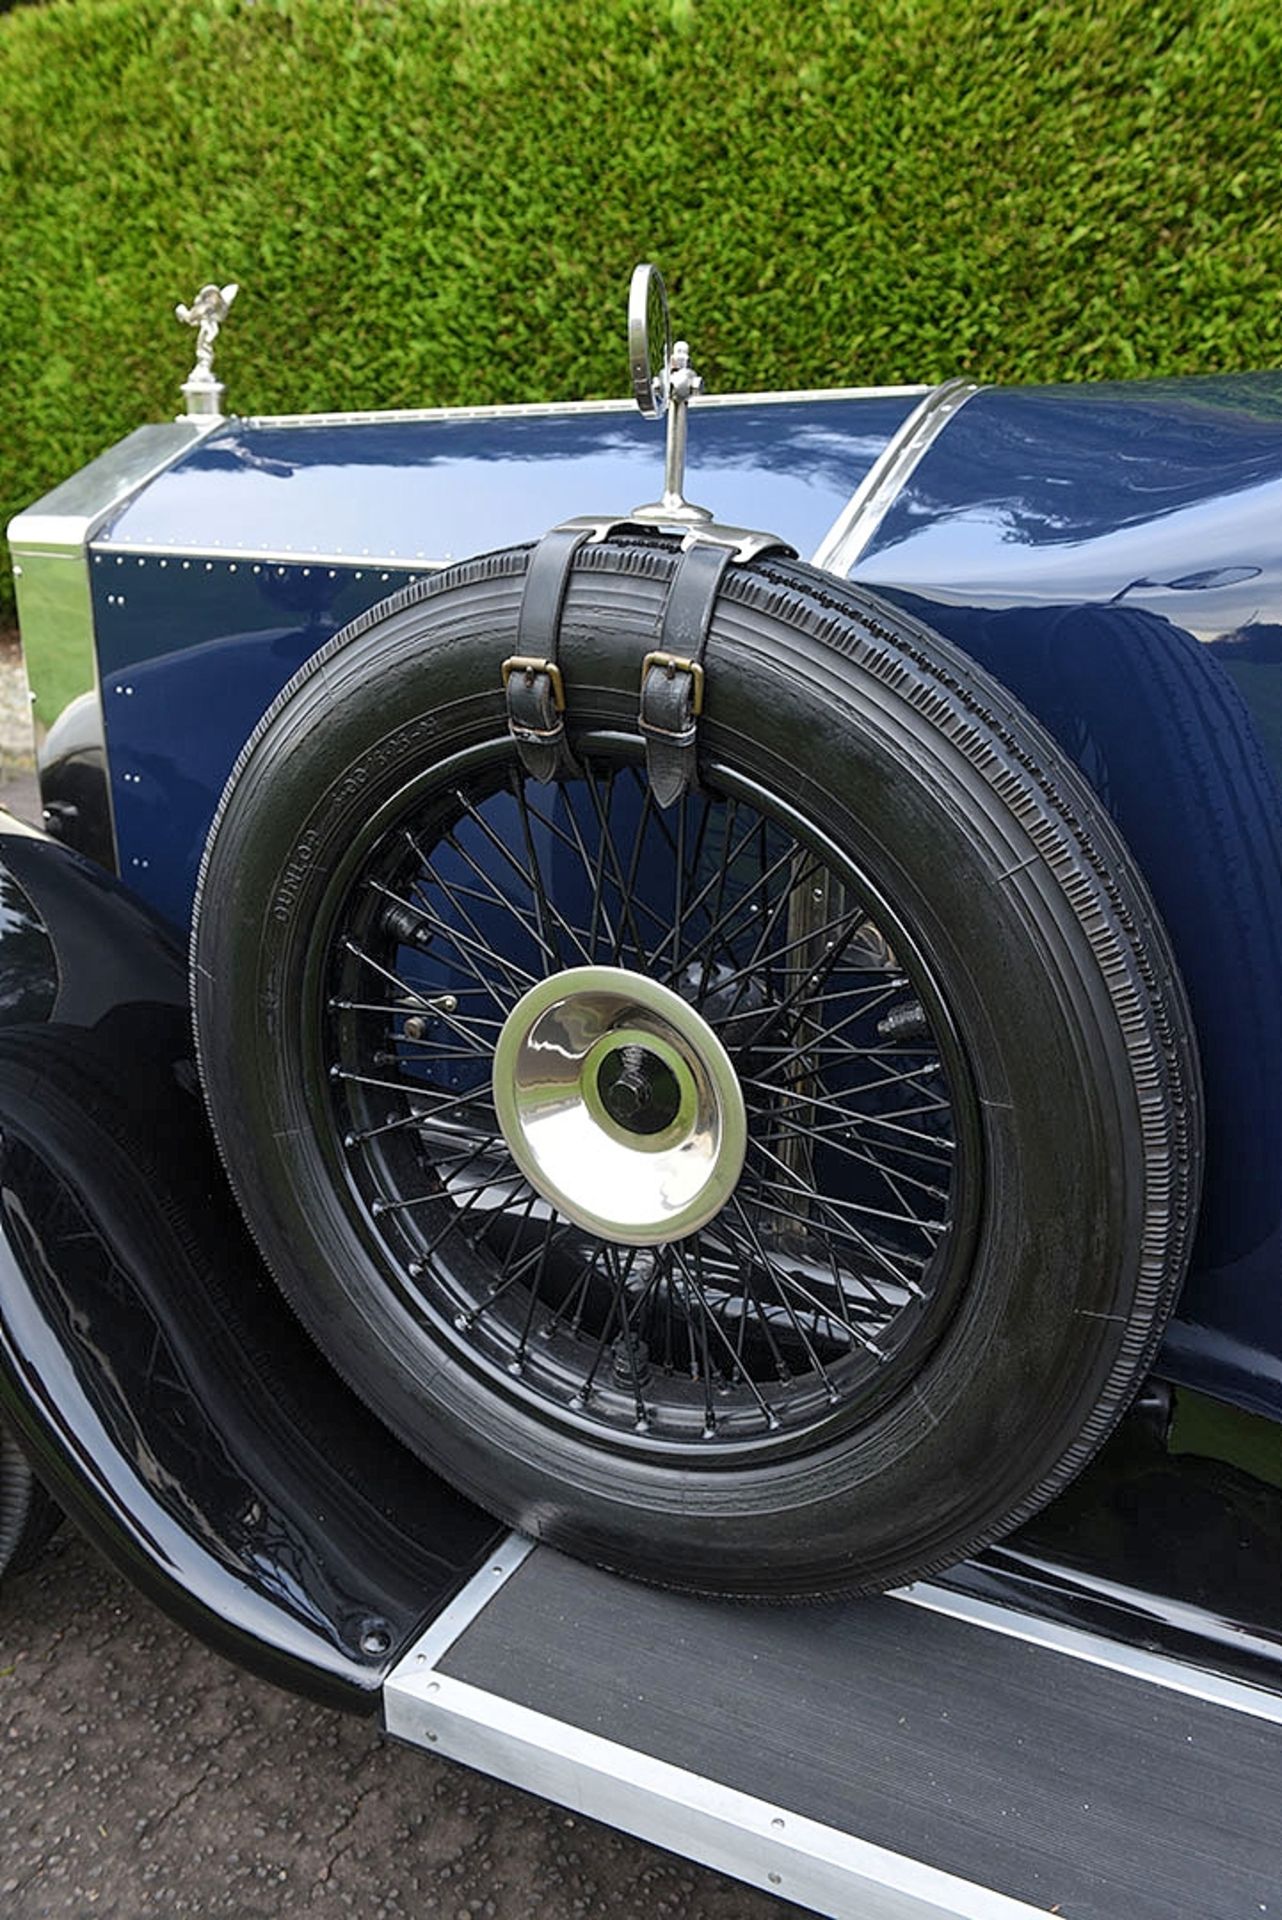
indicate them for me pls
(1035, 1337)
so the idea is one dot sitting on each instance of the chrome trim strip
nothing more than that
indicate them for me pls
(11, 827)
(142, 551)
(766, 1845)
(548, 409)
(854, 527)
(1157, 1669)
(49, 544)
(66, 519)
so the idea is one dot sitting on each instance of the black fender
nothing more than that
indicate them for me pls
(162, 1390)
(169, 1400)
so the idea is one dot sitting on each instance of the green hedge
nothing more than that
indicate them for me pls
(435, 203)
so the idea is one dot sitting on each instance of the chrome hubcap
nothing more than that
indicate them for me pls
(620, 1105)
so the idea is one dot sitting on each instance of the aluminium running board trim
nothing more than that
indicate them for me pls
(753, 1840)
(434, 1699)
(767, 1846)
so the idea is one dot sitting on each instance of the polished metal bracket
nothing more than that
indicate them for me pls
(663, 383)
(743, 543)
(207, 312)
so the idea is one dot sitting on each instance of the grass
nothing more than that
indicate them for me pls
(436, 203)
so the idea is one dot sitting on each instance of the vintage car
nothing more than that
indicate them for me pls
(741, 1046)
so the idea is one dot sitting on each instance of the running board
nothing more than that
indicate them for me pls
(869, 1760)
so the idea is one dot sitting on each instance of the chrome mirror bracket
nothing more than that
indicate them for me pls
(663, 383)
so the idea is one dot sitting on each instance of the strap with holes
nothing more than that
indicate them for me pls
(672, 677)
(532, 679)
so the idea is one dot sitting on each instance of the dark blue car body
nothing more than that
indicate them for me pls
(1113, 554)
(1110, 553)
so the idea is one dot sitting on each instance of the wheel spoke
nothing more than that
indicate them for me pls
(789, 1306)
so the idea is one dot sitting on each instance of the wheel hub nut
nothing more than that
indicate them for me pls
(620, 1105)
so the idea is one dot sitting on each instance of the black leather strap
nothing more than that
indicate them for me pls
(672, 676)
(532, 676)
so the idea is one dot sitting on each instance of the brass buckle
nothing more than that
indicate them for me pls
(525, 663)
(675, 664)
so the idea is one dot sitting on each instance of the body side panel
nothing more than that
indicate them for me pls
(214, 585)
(1112, 555)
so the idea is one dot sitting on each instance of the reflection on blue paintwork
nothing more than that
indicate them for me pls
(191, 653)
(1112, 555)
(443, 489)
(178, 712)
(1168, 493)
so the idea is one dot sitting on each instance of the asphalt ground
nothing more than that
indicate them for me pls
(142, 1774)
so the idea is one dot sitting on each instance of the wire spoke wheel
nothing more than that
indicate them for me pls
(781, 1192)
(832, 1257)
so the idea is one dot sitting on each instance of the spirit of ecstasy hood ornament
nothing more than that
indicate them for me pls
(206, 313)
(663, 382)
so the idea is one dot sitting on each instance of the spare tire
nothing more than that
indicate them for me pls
(781, 1194)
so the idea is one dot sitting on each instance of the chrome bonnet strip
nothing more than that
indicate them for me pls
(551, 409)
(49, 543)
(65, 520)
(853, 529)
